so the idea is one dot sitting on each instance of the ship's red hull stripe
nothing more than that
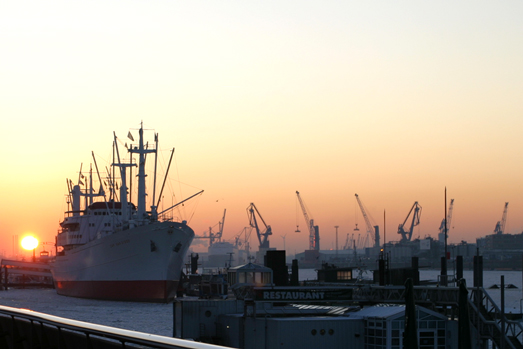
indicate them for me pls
(144, 291)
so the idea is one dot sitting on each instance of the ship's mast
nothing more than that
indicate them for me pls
(141, 151)
(154, 209)
(123, 187)
(91, 192)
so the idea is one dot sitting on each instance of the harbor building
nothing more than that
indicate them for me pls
(234, 323)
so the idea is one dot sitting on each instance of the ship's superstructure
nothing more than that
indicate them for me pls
(110, 248)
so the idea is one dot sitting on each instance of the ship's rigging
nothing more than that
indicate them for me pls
(119, 187)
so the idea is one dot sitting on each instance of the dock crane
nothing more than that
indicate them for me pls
(441, 235)
(218, 235)
(407, 235)
(348, 242)
(373, 230)
(244, 244)
(263, 237)
(314, 230)
(212, 235)
(246, 233)
(500, 225)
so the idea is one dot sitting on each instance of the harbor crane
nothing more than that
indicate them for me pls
(314, 230)
(218, 235)
(373, 230)
(246, 233)
(212, 235)
(441, 235)
(348, 242)
(263, 237)
(416, 213)
(500, 225)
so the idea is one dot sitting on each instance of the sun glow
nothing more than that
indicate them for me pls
(29, 243)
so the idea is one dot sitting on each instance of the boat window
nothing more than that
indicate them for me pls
(345, 275)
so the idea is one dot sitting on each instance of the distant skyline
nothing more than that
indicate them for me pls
(393, 101)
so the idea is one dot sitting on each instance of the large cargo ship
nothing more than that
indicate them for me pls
(110, 248)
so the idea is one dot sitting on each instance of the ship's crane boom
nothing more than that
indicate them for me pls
(500, 225)
(372, 229)
(263, 237)
(407, 235)
(314, 231)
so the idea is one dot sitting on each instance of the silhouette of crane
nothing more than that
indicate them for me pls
(416, 213)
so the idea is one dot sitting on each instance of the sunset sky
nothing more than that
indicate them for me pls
(391, 100)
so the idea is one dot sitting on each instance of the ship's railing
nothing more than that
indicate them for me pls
(21, 328)
(487, 317)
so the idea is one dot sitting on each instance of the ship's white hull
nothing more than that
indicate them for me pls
(139, 264)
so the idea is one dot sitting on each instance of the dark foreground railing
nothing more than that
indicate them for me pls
(21, 329)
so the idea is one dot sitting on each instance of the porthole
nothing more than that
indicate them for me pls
(313, 332)
(208, 313)
(322, 331)
(331, 331)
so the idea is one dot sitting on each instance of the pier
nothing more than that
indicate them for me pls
(26, 329)
(16, 273)
(489, 325)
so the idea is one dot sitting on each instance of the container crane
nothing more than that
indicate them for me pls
(441, 235)
(263, 237)
(416, 213)
(314, 230)
(373, 230)
(500, 225)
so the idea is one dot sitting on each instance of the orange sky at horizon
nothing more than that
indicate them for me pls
(394, 102)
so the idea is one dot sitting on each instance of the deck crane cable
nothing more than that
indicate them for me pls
(500, 225)
(314, 235)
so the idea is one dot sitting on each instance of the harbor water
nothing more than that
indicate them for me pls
(157, 318)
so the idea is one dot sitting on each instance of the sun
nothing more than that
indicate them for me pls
(29, 243)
